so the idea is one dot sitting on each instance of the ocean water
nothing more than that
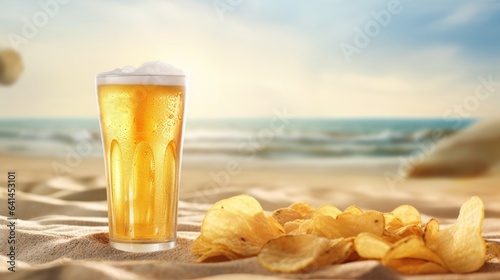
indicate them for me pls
(257, 140)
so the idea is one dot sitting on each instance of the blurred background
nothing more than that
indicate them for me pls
(335, 84)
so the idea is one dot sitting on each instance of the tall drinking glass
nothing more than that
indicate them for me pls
(142, 124)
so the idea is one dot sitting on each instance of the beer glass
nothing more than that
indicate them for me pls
(142, 123)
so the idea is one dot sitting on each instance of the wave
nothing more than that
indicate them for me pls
(295, 136)
(305, 139)
(39, 142)
(299, 150)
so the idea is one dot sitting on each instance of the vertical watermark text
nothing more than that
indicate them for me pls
(11, 220)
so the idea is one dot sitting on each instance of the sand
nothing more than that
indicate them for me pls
(61, 229)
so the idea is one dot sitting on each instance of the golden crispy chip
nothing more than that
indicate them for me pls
(235, 227)
(415, 266)
(402, 253)
(408, 215)
(354, 210)
(221, 227)
(292, 226)
(408, 230)
(243, 205)
(285, 215)
(327, 210)
(276, 228)
(371, 246)
(208, 251)
(250, 209)
(461, 245)
(304, 208)
(392, 222)
(412, 247)
(390, 236)
(299, 227)
(349, 224)
(431, 231)
(292, 253)
(306, 227)
(353, 256)
(325, 226)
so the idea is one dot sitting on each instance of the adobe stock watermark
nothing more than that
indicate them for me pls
(74, 155)
(248, 149)
(222, 7)
(372, 28)
(456, 113)
(31, 26)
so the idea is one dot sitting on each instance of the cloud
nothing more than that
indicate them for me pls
(261, 57)
(467, 13)
(462, 14)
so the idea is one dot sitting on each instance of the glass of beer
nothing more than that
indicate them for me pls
(142, 122)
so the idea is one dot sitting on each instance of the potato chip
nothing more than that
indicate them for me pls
(306, 227)
(371, 246)
(354, 210)
(304, 208)
(392, 222)
(292, 253)
(250, 209)
(223, 228)
(412, 247)
(408, 215)
(327, 210)
(276, 228)
(243, 205)
(299, 227)
(209, 252)
(431, 231)
(292, 226)
(403, 252)
(348, 224)
(415, 266)
(409, 230)
(235, 227)
(390, 236)
(461, 245)
(285, 215)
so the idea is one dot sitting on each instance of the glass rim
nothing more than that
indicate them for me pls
(145, 79)
(139, 75)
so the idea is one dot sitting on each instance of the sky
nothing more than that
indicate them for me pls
(252, 58)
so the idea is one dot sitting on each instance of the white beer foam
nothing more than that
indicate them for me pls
(150, 73)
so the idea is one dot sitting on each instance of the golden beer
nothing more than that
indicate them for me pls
(142, 127)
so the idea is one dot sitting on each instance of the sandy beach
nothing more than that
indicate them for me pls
(368, 188)
(62, 221)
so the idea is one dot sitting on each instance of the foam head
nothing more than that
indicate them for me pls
(151, 73)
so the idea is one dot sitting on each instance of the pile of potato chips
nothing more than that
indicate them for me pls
(300, 238)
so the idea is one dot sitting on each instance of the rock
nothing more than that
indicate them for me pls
(474, 151)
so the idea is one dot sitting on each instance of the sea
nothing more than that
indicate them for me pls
(254, 140)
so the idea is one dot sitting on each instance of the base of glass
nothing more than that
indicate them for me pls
(143, 247)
